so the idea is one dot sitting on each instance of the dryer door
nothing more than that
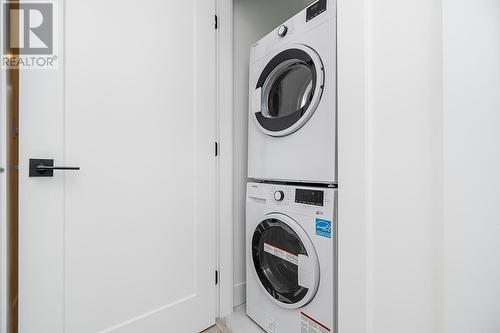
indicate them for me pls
(285, 261)
(288, 91)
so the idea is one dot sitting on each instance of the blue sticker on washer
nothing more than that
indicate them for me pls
(324, 228)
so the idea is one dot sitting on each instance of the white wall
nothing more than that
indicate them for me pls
(390, 166)
(252, 20)
(352, 228)
(419, 106)
(472, 165)
(404, 133)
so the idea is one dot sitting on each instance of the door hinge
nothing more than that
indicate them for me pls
(216, 149)
(216, 22)
(216, 277)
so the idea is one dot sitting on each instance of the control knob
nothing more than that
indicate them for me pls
(279, 195)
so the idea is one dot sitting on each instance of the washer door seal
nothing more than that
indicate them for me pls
(282, 255)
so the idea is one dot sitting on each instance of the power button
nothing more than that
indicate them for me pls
(282, 30)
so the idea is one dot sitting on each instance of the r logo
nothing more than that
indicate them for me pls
(33, 22)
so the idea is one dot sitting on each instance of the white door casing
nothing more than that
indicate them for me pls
(126, 244)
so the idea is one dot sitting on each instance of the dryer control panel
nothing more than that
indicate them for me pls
(315, 9)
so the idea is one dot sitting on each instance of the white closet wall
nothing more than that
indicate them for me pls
(404, 165)
(419, 161)
(252, 21)
(472, 165)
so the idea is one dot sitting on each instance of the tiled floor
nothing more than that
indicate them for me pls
(213, 329)
(239, 322)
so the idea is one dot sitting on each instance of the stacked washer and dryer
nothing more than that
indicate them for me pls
(291, 219)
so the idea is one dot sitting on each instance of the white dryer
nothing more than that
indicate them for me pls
(291, 255)
(292, 105)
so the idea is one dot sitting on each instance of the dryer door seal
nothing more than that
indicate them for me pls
(285, 261)
(288, 91)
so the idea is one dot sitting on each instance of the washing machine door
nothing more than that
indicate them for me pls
(288, 91)
(285, 261)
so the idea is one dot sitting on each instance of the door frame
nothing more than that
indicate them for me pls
(224, 12)
(353, 112)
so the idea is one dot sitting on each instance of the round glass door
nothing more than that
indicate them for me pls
(289, 90)
(279, 248)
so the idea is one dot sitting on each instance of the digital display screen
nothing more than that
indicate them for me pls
(309, 197)
(315, 9)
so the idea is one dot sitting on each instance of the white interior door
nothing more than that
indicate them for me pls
(126, 244)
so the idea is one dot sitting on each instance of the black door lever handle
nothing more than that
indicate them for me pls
(42, 167)
(45, 168)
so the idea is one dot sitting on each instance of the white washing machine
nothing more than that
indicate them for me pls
(292, 105)
(291, 255)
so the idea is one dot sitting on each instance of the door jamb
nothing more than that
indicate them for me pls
(226, 156)
(353, 262)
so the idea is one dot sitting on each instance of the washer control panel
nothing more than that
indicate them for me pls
(309, 197)
(281, 194)
(316, 200)
(286, 195)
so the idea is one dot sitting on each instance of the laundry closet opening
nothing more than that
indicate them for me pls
(252, 20)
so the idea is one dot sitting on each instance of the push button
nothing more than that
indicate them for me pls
(282, 30)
